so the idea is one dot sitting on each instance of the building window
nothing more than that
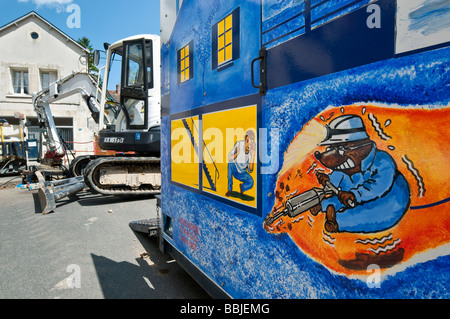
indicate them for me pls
(47, 77)
(226, 40)
(20, 82)
(66, 136)
(185, 63)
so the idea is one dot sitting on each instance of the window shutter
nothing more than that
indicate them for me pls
(214, 46)
(178, 67)
(191, 60)
(236, 34)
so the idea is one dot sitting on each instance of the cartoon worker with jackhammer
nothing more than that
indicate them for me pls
(373, 195)
(241, 163)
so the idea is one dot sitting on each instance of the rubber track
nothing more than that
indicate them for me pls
(91, 176)
(75, 169)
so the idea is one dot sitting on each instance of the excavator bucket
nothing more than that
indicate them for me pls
(50, 191)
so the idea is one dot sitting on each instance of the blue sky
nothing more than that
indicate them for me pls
(100, 20)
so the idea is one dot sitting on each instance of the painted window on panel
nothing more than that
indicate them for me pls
(184, 68)
(185, 63)
(226, 40)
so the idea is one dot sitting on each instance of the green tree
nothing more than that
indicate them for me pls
(86, 43)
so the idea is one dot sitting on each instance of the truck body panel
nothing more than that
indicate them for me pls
(336, 73)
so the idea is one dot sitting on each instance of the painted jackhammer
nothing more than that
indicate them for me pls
(305, 201)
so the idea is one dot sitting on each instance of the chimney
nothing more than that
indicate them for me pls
(117, 89)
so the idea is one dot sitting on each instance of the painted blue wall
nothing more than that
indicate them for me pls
(233, 248)
(283, 20)
(208, 85)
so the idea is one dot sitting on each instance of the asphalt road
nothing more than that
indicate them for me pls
(85, 249)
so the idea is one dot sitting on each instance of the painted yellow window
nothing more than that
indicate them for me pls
(222, 132)
(225, 39)
(184, 63)
(185, 141)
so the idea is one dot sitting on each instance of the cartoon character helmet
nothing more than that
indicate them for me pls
(345, 128)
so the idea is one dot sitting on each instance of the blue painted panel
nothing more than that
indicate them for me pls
(234, 249)
(165, 67)
(333, 47)
(420, 80)
(411, 81)
(208, 85)
(324, 11)
(284, 20)
(231, 245)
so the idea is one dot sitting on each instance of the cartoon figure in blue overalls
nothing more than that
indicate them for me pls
(241, 163)
(365, 176)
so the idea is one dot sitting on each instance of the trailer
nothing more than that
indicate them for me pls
(304, 147)
(13, 147)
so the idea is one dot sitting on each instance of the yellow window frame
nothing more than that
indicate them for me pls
(225, 40)
(184, 64)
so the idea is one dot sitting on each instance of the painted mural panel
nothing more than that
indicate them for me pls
(324, 11)
(422, 23)
(362, 184)
(284, 20)
(184, 151)
(367, 186)
(198, 23)
(230, 154)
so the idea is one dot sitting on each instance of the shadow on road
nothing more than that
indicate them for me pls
(87, 198)
(148, 280)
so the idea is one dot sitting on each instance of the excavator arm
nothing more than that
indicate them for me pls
(76, 83)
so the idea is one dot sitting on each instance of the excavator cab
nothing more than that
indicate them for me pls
(137, 78)
(136, 127)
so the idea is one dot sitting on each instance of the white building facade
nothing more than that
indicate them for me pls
(33, 54)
